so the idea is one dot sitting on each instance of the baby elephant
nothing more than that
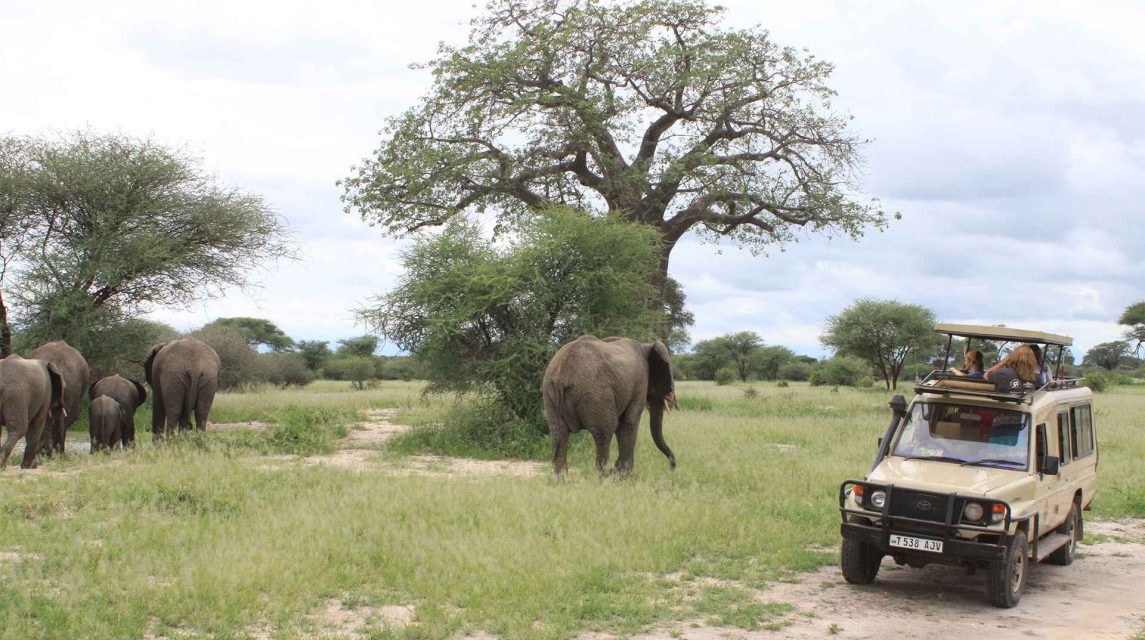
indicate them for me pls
(108, 421)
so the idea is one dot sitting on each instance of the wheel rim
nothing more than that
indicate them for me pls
(1017, 569)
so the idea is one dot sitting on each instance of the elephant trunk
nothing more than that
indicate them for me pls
(656, 418)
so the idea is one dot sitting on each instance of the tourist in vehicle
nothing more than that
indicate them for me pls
(1044, 375)
(1017, 369)
(972, 366)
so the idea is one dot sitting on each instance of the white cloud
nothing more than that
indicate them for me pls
(1008, 135)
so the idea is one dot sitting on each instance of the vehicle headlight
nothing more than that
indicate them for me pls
(973, 511)
(878, 499)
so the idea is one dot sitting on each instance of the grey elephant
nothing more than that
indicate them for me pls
(129, 394)
(603, 386)
(73, 367)
(183, 375)
(30, 390)
(107, 421)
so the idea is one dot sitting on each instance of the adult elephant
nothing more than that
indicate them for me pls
(183, 375)
(30, 390)
(603, 386)
(73, 367)
(129, 394)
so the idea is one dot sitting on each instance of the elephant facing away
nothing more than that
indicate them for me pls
(73, 367)
(107, 420)
(183, 375)
(129, 394)
(30, 390)
(603, 386)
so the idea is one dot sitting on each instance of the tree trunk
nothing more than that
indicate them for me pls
(5, 330)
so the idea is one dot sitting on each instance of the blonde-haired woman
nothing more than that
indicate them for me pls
(1017, 369)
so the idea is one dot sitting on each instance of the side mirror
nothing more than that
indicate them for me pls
(1049, 465)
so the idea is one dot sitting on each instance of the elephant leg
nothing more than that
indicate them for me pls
(59, 432)
(10, 444)
(603, 449)
(203, 409)
(158, 413)
(560, 448)
(626, 439)
(32, 442)
(127, 436)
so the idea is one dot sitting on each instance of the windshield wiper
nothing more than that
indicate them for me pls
(939, 458)
(994, 461)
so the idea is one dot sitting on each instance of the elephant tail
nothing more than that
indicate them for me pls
(555, 410)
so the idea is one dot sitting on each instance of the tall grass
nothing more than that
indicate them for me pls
(204, 541)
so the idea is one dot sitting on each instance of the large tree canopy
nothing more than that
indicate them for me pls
(114, 225)
(650, 109)
(883, 333)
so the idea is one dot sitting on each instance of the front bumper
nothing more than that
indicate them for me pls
(988, 546)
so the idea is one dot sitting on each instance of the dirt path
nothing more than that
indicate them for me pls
(1102, 595)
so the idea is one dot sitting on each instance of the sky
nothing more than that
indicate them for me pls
(1007, 134)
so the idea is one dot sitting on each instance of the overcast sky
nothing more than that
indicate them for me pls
(1008, 134)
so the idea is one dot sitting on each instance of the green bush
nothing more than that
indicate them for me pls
(483, 430)
(1097, 381)
(1120, 378)
(750, 393)
(285, 369)
(725, 376)
(357, 369)
(783, 383)
(840, 370)
(795, 372)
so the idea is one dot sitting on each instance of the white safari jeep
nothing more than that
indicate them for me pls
(971, 476)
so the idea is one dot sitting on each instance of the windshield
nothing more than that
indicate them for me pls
(964, 434)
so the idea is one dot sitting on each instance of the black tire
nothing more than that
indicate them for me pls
(1072, 528)
(860, 561)
(1005, 580)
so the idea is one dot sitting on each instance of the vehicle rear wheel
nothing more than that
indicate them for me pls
(1005, 580)
(860, 561)
(1072, 528)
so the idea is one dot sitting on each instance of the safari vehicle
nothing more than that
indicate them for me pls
(971, 476)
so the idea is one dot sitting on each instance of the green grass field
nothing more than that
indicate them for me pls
(202, 539)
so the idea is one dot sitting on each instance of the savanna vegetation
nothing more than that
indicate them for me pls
(211, 537)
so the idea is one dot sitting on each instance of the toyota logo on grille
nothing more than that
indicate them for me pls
(923, 505)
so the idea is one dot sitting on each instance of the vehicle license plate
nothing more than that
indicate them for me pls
(916, 544)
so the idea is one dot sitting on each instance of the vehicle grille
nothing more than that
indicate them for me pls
(922, 506)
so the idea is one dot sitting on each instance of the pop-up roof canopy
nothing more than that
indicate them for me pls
(1002, 333)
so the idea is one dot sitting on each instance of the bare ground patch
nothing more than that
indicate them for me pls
(338, 619)
(1098, 596)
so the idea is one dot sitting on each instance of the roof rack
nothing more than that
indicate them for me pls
(930, 385)
(1003, 333)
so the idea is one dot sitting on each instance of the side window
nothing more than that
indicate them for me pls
(1040, 445)
(1064, 438)
(1082, 432)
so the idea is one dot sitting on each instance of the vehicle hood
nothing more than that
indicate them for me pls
(943, 476)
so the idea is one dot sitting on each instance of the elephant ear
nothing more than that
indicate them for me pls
(142, 391)
(151, 360)
(58, 386)
(659, 371)
(91, 389)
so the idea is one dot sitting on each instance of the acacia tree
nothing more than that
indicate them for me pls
(258, 331)
(1134, 318)
(883, 333)
(118, 225)
(652, 110)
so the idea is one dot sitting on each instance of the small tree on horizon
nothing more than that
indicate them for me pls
(883, 333)
(1134, 318)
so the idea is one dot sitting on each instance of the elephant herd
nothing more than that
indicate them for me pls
(42, 394)
(601, 386)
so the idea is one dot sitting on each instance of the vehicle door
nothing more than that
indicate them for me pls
(1061, 487)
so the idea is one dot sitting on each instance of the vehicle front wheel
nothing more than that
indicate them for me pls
(1006, 579)
(1072, 528)
(860, 561)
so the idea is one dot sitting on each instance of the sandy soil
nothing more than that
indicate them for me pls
(1102, 595)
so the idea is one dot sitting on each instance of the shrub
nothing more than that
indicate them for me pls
(795, 371)
(750, 393)
(783, 383)
(840, 370)
(726, 375)
(357, 369)
(482, 429)
(285, 369)
(1097, 381)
